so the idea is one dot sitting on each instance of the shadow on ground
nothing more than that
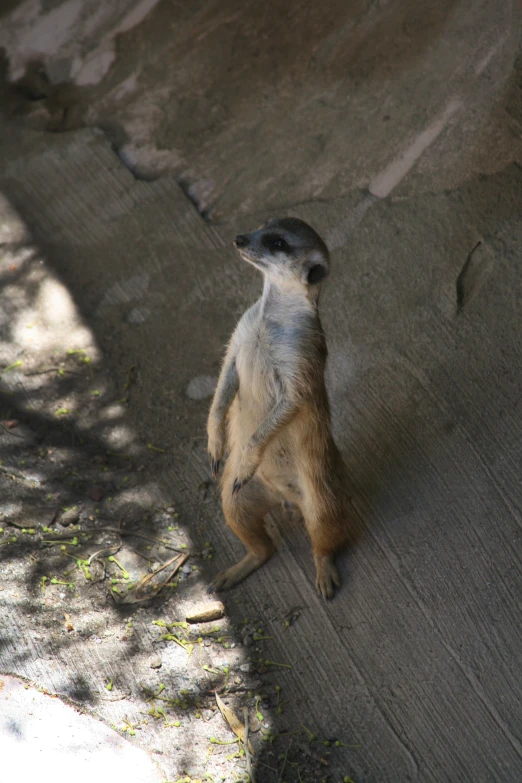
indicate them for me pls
(86, 518)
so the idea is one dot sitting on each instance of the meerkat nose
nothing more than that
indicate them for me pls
(241, 240)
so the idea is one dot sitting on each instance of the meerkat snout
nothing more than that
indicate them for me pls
(241, 240)
(286, 249)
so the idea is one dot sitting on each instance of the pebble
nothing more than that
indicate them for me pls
(138, 315)
(69, 517)
(156, 663)
(245, 667)
(206, 613)
(186, 569)
(96, 493)
(201, 387)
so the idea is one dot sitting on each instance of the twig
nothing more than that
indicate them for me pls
(55, 539)
(264, 764)
(10, 432)
(105, 552)
(122, 532)
(248, 757)
(284, 762)
(18, 474)
(53, 369)
(137, 552)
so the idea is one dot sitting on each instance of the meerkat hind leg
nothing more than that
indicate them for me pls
(327, 536)
(245, 515)
(327, 576)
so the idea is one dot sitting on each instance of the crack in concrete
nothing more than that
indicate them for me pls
(473, 274)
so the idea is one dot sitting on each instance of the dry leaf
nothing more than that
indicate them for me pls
(150, 584)
(233, 721)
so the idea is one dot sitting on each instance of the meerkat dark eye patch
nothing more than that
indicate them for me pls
(275, 244)
(316, 273)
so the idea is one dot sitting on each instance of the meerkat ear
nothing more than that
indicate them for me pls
(316, 273)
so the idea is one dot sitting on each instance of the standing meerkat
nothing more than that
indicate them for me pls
(270, 410)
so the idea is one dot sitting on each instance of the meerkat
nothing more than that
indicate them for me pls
(270, 410)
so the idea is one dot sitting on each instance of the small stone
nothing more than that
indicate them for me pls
(245, 667)
(186, 570)
(96, 493)
(69, 517)
(201, 387)
(262, 670)
(138, 315)
(156, 663)
(206, 613)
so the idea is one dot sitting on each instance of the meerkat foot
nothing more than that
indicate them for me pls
(236, 573)
(215, 465)
(327, 576)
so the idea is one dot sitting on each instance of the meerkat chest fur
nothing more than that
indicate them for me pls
(280, 348)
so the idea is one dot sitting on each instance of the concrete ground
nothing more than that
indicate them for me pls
(137, 138)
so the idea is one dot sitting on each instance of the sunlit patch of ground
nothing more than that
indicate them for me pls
(85, 532)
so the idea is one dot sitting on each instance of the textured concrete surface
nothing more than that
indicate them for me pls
(396, 130)
(218, 92)
(42, 738)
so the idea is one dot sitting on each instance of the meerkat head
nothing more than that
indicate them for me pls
(286, 249)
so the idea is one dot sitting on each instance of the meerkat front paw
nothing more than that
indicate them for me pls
(216, 450)
(248, 465)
